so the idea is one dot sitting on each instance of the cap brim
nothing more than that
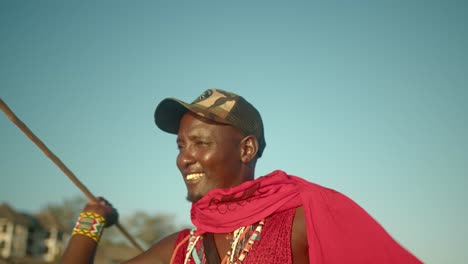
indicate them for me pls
(168, 114)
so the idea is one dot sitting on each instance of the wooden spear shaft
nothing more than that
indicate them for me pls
(60, 164)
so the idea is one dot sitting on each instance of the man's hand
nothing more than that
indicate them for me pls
(103, 208)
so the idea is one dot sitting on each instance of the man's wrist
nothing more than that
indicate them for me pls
(89, 224)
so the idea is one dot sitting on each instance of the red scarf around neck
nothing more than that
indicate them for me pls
(338, 230)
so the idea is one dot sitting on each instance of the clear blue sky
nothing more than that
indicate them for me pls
(365, 97)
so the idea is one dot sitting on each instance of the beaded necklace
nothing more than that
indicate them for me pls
(240, 247)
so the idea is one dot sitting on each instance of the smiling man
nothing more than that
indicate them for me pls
(276, 218)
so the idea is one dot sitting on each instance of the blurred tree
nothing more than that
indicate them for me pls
(67, 211)
(146, 228)
(150, 228)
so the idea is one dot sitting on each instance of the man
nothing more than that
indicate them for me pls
(277, 218)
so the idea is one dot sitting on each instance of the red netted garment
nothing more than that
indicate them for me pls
(274, 245)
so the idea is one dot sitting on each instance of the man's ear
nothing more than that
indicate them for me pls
(249, 148)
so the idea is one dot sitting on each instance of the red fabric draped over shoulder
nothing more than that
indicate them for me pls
(338, 230)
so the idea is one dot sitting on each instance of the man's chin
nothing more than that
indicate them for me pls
(193, 198)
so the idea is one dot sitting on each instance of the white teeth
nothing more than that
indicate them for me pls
(194, 176)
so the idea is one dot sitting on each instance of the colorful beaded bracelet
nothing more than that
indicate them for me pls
(90, 225)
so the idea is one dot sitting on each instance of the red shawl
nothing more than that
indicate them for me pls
(338, 230)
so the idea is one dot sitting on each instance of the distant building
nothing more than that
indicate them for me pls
(52, 236)
(39, 236)
(14, 228)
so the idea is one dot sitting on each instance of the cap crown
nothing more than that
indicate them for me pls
(217, 105)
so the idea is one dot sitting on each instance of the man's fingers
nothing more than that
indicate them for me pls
(103, 201)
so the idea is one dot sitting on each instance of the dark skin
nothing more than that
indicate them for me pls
(211, 155)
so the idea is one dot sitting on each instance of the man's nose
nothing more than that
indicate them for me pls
(187, 157)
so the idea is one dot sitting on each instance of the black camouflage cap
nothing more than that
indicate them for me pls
(217, 105)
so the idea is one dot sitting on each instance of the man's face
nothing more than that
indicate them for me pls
(209, 155)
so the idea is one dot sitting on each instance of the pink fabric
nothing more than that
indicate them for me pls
(338, 230)
(224, 210)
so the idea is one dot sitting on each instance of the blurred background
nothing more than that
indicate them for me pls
(365, 97)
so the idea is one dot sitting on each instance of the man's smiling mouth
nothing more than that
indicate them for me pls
(194, 176)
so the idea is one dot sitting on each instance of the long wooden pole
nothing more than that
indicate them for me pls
(59, 163)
